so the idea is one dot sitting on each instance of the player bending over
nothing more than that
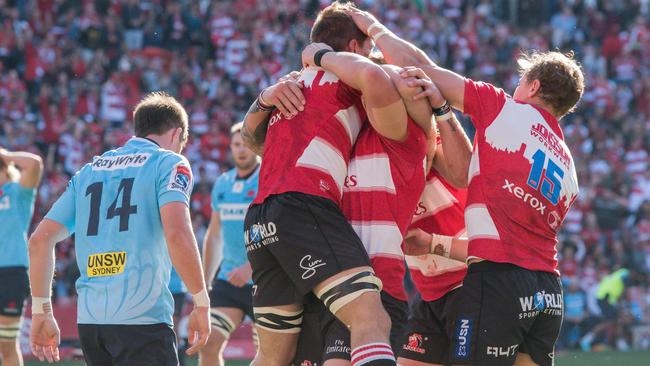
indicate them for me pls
(129, 211)
(20, 173)
(224, 249)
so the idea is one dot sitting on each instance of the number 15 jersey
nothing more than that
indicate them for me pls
(522, 180)
(112, 206)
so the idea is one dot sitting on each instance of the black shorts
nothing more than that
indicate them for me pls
(426, 338)
(323, 337)
(126, 345)
(14, 289)
(503, 309)
(296, 241)
(225, 295)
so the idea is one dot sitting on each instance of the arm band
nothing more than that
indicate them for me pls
(440, 245)
(41, 305)
(201, 299)
(318, 56)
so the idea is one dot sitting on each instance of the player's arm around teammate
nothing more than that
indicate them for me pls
(284, 95)
(20, 173)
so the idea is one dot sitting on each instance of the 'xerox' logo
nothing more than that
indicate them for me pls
(524, 196)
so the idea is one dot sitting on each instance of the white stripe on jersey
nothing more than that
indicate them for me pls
(479, 223)
(321, 155)
(435, 197)
(350, 120)
(474, 165)
(380, 238)
(372, 173)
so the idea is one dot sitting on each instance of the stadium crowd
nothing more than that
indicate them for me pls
(71, 72)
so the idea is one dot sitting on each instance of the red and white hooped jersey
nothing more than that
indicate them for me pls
(385, 179)
(522, 180)
(440, 211)
(310, 152)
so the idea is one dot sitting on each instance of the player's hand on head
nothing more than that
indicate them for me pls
(310, 51)
(286, 95)
(362, 19)
(198, 329)
(293, 75)
(240, 275)
(45, 337)
(417, 242)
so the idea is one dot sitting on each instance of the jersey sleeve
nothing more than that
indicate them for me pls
(175, 180)
(64, 209)
(483, 102)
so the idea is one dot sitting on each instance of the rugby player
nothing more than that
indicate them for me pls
(224, 250)
(20, 174)
(522, 182)
(129, 211)
(298, 240)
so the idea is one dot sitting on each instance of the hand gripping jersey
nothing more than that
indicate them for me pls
(439, 211)
(522, 180)
(385, 180)
(231, 197)
(310, 152)
(112, 206)
(16, 209)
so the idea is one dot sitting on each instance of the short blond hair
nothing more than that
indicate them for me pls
(561, 79)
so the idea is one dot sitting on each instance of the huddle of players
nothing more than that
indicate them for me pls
(353, 167)
(345, 192)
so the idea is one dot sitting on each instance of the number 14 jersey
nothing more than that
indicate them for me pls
(112, 206)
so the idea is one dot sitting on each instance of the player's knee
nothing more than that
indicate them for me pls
(8, 347)
(353, 291)
(276, 320)
(222, 325)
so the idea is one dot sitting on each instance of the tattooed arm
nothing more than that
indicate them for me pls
(285, 95)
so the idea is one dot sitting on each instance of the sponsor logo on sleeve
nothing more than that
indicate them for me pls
(111, 163)
(5, 203)
(106, 264)
(181, 179)
(462, 349)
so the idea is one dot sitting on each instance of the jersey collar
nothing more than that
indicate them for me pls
(143, 140)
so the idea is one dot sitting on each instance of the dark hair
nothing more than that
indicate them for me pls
(336, 28)
(3, 165)
(560, 76)
(158, 113)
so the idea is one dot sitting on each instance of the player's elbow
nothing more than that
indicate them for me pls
(374, 78)
(38, 243)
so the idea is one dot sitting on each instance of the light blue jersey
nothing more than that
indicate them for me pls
(112, 205)
(176, 285)
(231, 197)
(16, 209)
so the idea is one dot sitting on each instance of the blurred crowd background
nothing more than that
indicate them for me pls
(71, 72)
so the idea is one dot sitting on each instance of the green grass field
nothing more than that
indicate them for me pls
(571, 359)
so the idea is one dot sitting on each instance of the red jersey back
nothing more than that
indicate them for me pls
(385, 180)
(522, 180)
(310, 152)
(440, 211)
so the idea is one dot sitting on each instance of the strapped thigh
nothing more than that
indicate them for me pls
(344, 290)
(277, 320)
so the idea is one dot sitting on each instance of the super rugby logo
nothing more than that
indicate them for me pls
(181, 179)
(521, 194)
(260, 234)
(5, 203)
